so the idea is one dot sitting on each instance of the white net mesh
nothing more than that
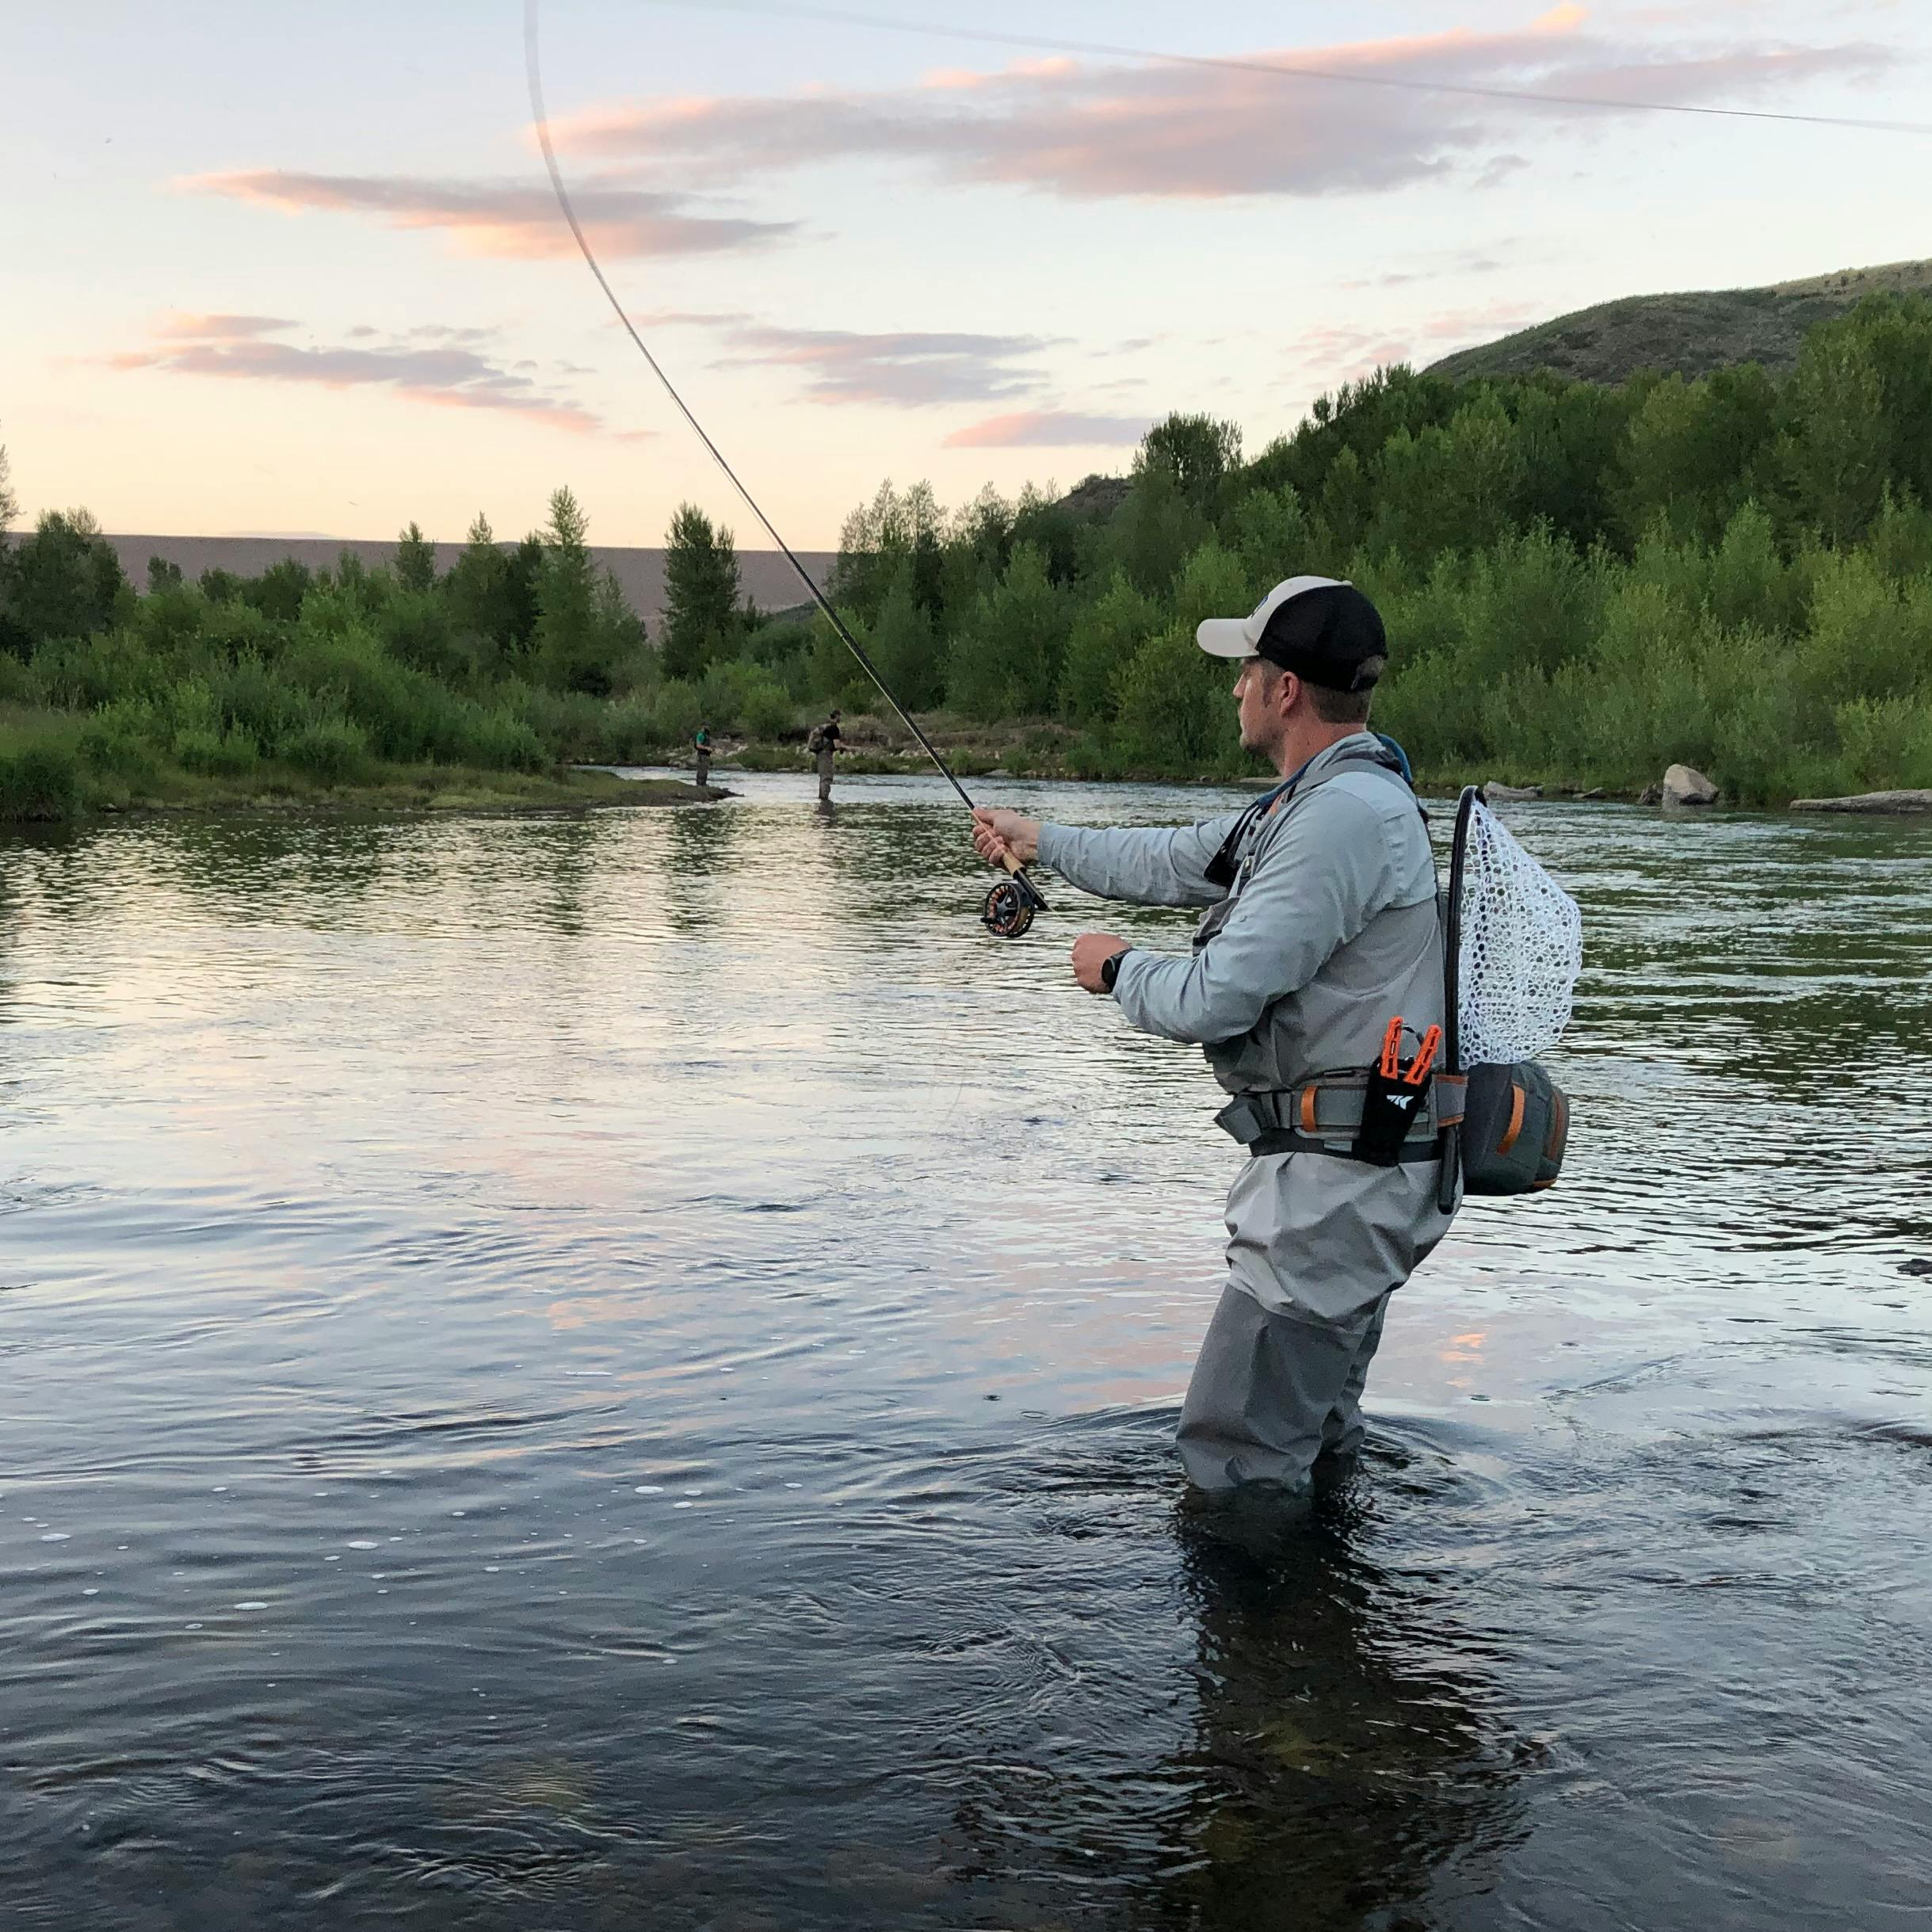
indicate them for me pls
(1522, 947)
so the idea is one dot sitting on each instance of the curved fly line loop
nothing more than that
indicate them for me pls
(1011, 905)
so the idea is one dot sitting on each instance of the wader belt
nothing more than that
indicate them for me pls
(1323, 1115)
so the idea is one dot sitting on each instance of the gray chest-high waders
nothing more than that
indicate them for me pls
(1011, 905)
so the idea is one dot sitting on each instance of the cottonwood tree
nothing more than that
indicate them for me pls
(701, 595)
(415, 559)
(477, 584)
(569, 644)
(1199, 452)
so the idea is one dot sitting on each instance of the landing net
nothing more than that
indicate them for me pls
(1522, 947)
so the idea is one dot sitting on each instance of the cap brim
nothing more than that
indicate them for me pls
(1225, 637)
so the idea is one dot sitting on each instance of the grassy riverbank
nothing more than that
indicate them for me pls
(1582, 584)
(46, 775)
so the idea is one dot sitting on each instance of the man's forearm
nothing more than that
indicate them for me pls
(1160, 867)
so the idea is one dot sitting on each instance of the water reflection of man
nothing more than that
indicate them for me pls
(1321, 1749)
(1320, 927)
(1345, 1766)
(824, 747)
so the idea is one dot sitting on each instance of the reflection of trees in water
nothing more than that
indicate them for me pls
(1345, 1768)
(699, 855)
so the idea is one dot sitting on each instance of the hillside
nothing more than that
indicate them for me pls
(1693, 332)
(767, 580)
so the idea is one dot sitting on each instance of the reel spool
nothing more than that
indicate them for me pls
(1010, 906)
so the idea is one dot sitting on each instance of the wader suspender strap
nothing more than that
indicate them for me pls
(1260, 1116)
(1221, 869)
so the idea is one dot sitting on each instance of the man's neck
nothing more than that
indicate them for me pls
(1297, 747)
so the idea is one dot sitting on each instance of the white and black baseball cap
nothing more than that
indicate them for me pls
(1322, 628)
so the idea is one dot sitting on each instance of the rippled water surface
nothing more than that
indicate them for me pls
(618, 1371)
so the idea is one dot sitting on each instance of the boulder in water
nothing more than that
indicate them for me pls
(1494, 794)
(1683, 786)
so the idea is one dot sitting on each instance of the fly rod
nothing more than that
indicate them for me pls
(1011, 904)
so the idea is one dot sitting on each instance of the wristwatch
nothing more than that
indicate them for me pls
(1111, 967)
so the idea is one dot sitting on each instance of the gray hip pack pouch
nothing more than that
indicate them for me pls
(1515, 1124)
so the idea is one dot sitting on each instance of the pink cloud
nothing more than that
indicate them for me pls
(179, 327)
(1049, 428)
(449, 374)
(509, 221)
(1204, 128)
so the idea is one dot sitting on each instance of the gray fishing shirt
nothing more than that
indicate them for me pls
(1329, 929)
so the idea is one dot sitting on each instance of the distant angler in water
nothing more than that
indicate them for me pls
(823, 746)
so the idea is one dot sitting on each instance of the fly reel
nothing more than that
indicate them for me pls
(1010, 906)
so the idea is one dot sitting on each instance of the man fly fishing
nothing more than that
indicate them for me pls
(1315, 987)
(823, 745)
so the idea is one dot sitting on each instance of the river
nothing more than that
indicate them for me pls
(618, 1371)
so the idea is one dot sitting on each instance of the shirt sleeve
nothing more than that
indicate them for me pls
(1323, 876)
(1165, 866)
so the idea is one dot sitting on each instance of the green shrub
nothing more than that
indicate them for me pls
(677, 711)
(332, 750)
(40, 779)
(769, 711)
(1175, 716)
(499, 742)
(212, 755)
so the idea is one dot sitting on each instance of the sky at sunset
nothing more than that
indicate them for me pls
(270, 269)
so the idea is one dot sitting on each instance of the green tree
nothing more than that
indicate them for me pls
(9, 503)
(62, 582)
(902, 646)
(568, 639)
(162, 575)
(523, 578)
(1695, 452)
(701, 595)
(1199, 452)
(623, 630)
(1271, 535)
(1454, 486)
(1836, 452)
(1105, 636)
(1174, 714)
(1156, 530)
(1006, 662)
(478, 587)
(877, 537)
(415, 559)
(278, 592)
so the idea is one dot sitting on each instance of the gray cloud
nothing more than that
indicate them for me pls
(511, 220)
(451, 374)
(913, 368)
(1198, 131)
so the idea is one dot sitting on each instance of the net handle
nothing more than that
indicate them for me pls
(1451, 938)
(1450, 1168)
